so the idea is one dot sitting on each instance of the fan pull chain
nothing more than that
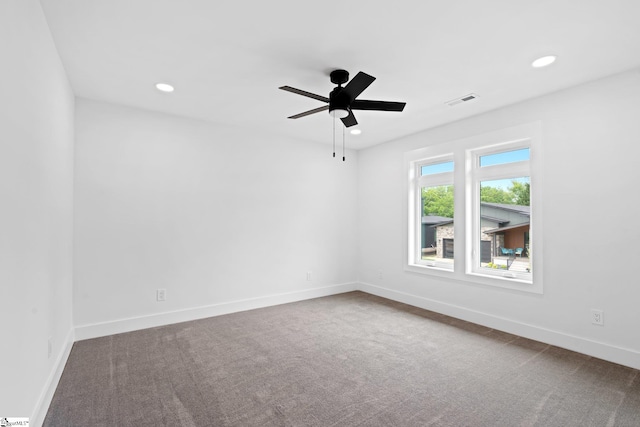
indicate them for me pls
(343, 143)
(334, 137)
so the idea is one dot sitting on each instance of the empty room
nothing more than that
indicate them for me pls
(285, 213)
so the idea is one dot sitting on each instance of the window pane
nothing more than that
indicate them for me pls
(437, 225)
(504, 157)
(505, 218)
(436, 168)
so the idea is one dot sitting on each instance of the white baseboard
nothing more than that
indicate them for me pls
(40, 411)
(96, 330)
(622, 356)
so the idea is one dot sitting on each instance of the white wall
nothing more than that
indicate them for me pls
(36, 160)
(591, 213)
(213, 214)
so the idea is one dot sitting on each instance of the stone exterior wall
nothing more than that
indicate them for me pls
(442, 232)
(498, 244)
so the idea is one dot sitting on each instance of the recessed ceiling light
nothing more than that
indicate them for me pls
(164, 87)
(356, 131)
(544, 61)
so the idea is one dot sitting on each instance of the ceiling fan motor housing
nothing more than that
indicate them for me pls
(339, 100)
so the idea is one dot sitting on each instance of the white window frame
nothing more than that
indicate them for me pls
(432, 180)
(464, 153)
(475, 176)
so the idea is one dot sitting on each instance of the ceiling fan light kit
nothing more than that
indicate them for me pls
(338, 113)
(342, 100)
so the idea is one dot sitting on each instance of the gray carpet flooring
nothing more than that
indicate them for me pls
(345, 360)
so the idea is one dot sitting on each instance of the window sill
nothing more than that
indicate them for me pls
(478, 278)
(429, 269)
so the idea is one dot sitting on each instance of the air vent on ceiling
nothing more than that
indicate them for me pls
(460, 100)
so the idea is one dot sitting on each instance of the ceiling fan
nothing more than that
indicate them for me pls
(342, 100)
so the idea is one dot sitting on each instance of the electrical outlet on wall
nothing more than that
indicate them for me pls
(597, 317)
(161, 295)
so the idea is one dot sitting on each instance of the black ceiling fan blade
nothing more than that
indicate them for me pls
(306, 113)
(305, 93)
(350, 120)
(358, 84)
(361, 104)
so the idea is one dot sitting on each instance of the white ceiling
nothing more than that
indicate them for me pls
(227, 59)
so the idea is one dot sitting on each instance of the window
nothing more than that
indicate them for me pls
(472, 209)
(501, 210)
(435, 213)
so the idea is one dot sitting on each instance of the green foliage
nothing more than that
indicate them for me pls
(500, 266)
(517, 194)
(495, 195)
(438, 201)
(521, 192)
